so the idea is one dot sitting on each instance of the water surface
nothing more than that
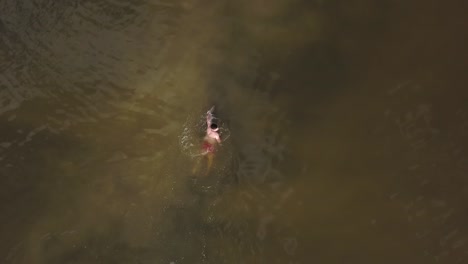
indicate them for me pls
(347, 126)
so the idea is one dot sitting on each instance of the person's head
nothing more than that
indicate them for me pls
(214, 127)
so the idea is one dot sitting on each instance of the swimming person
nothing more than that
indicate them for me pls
(210, 142)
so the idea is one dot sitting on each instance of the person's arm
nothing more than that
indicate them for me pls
(209, 117)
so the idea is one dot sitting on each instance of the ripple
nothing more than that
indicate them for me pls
(78, 52)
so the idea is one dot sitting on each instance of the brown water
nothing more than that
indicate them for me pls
(346, 124)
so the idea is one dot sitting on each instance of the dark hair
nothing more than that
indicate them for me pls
(213, 126)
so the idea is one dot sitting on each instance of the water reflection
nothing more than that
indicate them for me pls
(347, 132)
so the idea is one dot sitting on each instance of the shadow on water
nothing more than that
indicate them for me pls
(346, 121)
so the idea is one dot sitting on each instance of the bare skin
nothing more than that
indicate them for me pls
(210, 142)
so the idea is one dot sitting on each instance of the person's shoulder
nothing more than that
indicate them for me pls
(213, 134)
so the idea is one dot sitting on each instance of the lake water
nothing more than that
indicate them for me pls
(345, 127)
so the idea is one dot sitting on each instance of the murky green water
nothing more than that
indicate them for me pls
(345, 123)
